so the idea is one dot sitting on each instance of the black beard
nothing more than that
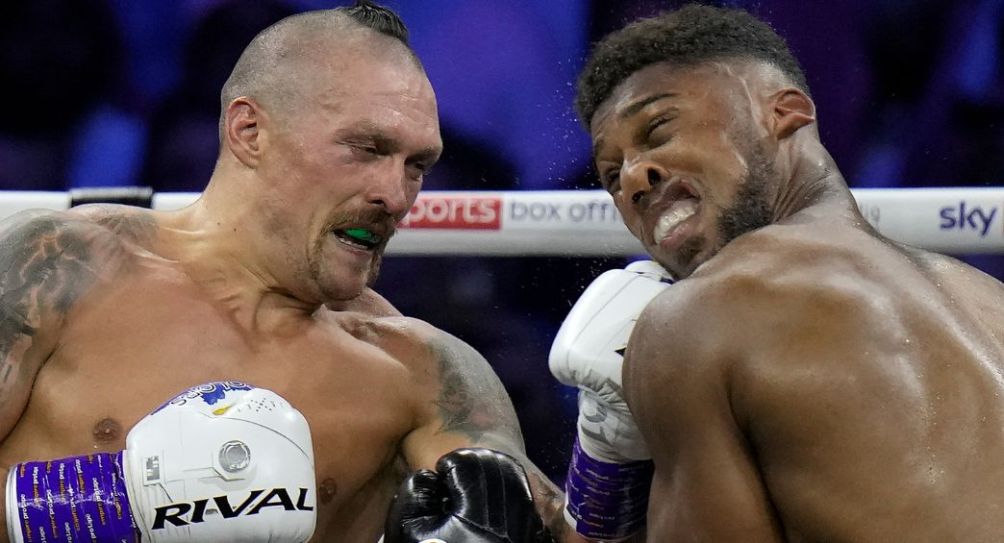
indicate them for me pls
(751, 209)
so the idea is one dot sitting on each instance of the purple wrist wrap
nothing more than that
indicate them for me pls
(606, 499)
(80, 498)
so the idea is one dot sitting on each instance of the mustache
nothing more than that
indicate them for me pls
(386, 222)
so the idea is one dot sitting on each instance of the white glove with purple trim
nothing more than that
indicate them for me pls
(221, 462)
(610, 472)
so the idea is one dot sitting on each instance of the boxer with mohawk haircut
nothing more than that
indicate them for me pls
(306, 398)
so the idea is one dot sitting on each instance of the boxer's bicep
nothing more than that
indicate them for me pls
(469, 407)
(707, 485)
(465, 405)
(45, 266)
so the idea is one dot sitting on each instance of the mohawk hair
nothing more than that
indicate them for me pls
(378, 18)
(267, 69)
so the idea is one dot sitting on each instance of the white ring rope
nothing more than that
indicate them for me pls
(586, 223)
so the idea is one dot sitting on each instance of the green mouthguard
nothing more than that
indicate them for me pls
(360, 234)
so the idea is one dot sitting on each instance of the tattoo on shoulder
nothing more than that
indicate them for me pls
(472, 400)
(45, 267)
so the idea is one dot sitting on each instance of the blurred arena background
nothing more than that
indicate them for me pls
(125, 93)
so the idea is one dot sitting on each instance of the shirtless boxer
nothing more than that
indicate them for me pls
(328, 125)
(805, 379)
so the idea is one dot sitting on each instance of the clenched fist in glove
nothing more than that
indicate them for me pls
(475, 495)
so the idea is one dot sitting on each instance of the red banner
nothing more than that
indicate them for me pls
(455, 213)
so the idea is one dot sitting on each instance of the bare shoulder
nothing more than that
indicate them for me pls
(441, 361)
(460, 402)
(757, 285)
(52, 258)
(785, 272)
(130, 224)
(772, 308)
(454, 387)
(442, 368)
(48, 262)
(59, 237)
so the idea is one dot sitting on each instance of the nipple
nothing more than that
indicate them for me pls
(327, 490)
(107, 430)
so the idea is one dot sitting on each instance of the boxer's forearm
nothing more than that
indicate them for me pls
(549, 500)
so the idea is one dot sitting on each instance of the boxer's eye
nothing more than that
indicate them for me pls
(418, 170)
(366, 149)
(657, 132)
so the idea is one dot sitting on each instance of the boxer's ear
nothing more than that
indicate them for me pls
(240, 131)
(790, 109)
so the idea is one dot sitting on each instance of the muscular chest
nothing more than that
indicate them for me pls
(126, 354)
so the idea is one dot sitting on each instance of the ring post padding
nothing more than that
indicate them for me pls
(133, 196)
(958, 220)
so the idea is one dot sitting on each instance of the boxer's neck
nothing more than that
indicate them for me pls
(813, 188)
(216, 245)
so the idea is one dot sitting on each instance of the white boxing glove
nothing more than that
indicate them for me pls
(222, 462)
(610, 472)
(588, 353)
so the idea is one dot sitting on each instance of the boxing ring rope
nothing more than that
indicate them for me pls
(586, 223)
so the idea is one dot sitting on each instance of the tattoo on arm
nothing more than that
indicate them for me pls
(472, 400)
(44, 268)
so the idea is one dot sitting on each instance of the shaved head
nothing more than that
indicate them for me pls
(277, 66)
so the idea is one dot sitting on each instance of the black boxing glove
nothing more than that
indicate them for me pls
(475, 495)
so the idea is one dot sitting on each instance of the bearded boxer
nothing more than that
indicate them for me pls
(805, 379)
(328, 124)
